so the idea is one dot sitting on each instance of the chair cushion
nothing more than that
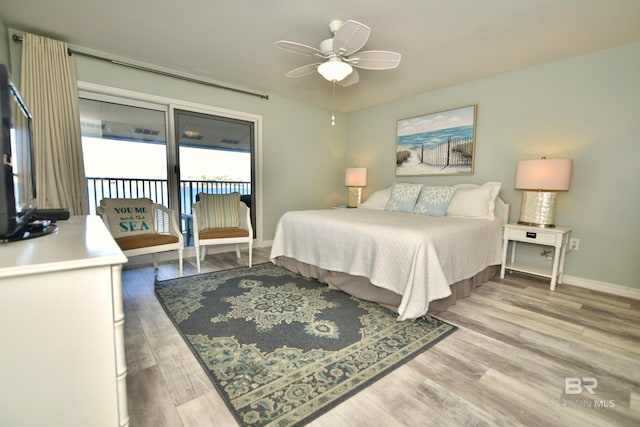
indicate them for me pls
(145, 240)
(223, 233)
(127, 217)
(219, 210)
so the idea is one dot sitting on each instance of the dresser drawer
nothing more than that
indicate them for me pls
(540, 237)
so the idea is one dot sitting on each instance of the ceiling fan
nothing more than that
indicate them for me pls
(340, 54)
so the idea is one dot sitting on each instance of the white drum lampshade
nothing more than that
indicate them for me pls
(355, 179)
(541, 179)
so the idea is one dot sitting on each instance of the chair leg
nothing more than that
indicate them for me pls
(237, 250)
(180, 261)
(154, 257)
(250, 252)
(197, 247)
(204, 253)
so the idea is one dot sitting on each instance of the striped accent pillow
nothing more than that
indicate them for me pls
(219, 210)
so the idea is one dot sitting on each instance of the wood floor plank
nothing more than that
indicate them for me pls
(536, 402)
(443, 370)
(565, 310)
(180, 368)
(458, 412)
(634, 402)
(525, 317)
(150, 404)
(519, 288)
(587, 355)
(399, 397)
(359, 411)
(623, 343)
(208, 410)
(469, 317)
(138, 353)
(610, 303)
(542, 374)
(564, 327)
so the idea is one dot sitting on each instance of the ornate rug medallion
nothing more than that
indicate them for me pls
(282, 349)
(270, 306)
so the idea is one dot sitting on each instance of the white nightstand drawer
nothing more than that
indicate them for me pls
(533, 236)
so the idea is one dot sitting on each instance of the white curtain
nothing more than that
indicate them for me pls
(49, 88)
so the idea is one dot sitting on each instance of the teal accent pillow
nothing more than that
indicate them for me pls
(403, 197)
(433, 201)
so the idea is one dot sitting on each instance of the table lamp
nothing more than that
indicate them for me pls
(541, 179)
(355, 179)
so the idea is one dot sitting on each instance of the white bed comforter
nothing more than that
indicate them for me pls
(415, 256)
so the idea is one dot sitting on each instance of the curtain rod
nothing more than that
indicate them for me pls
(70, 51)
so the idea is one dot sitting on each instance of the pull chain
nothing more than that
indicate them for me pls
(333, 105)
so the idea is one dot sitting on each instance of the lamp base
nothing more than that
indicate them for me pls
(355, 197)
(538, 208)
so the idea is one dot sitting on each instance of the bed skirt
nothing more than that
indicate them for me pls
(361, 287)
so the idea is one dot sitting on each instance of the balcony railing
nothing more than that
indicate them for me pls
(157, 190)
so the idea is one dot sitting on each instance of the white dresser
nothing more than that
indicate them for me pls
(62, 360)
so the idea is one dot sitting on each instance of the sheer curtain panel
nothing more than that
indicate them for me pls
(49, 87)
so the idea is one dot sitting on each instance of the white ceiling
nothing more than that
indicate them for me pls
(442, 42)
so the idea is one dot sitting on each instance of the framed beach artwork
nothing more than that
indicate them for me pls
(441, 143)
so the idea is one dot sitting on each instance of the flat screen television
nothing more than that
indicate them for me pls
(17, 181)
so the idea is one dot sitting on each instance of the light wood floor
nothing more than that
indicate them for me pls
(506, 365)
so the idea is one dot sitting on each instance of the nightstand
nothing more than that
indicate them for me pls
(558, 237)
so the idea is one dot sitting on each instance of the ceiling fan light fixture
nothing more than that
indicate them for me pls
(334, 70)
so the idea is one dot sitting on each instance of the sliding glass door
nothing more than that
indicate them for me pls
(125, 150)
(215, 156)
(165, 152)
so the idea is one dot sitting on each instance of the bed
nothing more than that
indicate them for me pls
(389, 251)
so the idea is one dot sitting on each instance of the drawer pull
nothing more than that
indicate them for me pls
(531, 234)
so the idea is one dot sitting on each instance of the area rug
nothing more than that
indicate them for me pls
(282, 349)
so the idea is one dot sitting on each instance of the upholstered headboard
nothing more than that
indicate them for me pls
(502, 210)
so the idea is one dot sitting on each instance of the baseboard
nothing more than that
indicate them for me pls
(608, 288)
(263, 244)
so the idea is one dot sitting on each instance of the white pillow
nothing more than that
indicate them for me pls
(474, 201)
(377, 200)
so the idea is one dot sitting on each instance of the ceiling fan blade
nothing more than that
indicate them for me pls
(375, 60)
(351, 79)
(305, 70)
(350, 37)
(300, 48)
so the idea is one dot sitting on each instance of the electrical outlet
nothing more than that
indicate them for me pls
(574, 244)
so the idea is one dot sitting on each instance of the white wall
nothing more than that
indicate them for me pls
(4, 43)
(586, 108)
